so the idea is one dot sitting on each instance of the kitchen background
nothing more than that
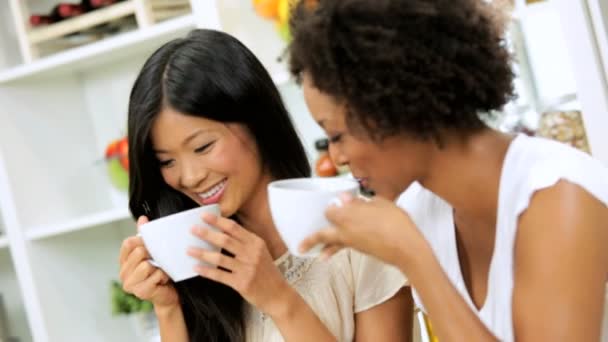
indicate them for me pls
(66, 69)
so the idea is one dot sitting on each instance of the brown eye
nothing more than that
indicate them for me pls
(203, 148)
(165, 163)
(335, 138)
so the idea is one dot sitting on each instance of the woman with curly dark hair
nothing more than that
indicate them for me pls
(502, 237)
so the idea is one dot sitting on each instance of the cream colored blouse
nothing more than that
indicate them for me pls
(348, 283)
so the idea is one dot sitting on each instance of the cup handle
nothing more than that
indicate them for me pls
(151, 261)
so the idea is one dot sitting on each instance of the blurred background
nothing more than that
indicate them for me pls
(66, 70)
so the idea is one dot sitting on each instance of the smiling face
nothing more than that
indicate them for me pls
(208, 161)
(387, 167)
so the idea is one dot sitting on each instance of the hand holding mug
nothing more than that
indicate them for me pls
(140, 278)
(298, 205)
(250, 271)
(376, 227)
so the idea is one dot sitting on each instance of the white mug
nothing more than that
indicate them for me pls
(168, 239)
(298, 207)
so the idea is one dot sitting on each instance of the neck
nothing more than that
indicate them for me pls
(255, 216)
(466, 173)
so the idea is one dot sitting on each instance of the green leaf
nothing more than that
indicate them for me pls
(126, 303)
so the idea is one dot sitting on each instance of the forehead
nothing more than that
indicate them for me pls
(170, 124)
(170, 119)
(324, 108)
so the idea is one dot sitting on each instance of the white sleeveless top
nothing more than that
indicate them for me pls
(531, 164)
(348, 283)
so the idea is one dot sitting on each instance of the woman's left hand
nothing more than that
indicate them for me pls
(251, 272)
(376, 227)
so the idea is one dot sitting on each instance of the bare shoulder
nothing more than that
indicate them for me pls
(564, 210)
(561, 262)
(560, 218)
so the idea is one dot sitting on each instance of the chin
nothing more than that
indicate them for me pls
(387, 194)
(227, 209)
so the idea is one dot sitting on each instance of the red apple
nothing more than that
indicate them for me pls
(119, 149)
(117, 160)
(112, 149)
(123, 152)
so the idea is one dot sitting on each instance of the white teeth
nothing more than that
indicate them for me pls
(217, 188)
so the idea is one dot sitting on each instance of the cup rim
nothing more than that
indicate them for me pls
(349, 184)
(178, 215)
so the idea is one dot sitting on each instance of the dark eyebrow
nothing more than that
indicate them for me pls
(186, 141)
(321, 123)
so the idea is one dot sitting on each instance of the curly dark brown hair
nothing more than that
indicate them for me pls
(418, 67)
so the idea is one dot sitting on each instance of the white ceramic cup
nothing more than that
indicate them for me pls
(298, 207)
(168, 239)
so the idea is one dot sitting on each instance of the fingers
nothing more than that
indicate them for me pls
(132, 242)
(337, 214)
(128, 245)
(141, 221)
(216, 274)
(328, 236)
(351, 207)
(140, 273)
(217, 239)
(214, 258)
(346, 198)
(226, 225)
(146, 288)
(138, 255)
(330, 251)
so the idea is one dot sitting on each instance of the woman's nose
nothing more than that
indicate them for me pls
(192, 176)
(337, 156)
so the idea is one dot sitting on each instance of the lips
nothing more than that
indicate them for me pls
(363, 182)
(214, 194)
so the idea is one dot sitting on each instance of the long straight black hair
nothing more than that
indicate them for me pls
(207, 74)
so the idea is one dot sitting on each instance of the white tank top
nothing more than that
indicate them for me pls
(530, 164)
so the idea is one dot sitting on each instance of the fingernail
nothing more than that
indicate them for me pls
(346, 197)
(207, 216)
(191, 251)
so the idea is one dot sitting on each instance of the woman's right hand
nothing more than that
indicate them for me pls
(140, 278)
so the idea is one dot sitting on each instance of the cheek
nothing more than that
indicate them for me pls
(170, 176)
(233, 159)
(358, 154)
(223, 160)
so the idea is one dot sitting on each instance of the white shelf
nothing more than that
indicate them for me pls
(41, 232)
(102, 52)
(3, 242)
(82, 22)
(12, 298)
(522, 10)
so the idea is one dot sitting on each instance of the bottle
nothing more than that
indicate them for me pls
(66, 10)
(324, 167)
(41, 20)
(94, 4)
(61, 11)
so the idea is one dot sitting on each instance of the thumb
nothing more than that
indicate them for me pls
(141, 221)
(336, 214)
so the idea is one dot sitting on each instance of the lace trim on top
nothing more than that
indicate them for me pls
(293, 267)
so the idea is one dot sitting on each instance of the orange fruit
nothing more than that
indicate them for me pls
(267, 8)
